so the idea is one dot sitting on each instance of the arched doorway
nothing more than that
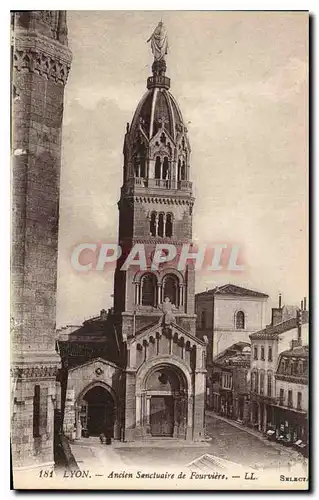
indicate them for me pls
(166, 402)
(99, 415)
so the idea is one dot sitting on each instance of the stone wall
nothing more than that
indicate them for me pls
(83, 378)
(40, 65)
(28, 449)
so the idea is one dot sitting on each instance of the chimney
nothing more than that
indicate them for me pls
(301, 305)
(276, 315)
(277, 312)
(299, 324)
(305, 303)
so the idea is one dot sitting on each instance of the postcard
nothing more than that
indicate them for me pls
(160, 304)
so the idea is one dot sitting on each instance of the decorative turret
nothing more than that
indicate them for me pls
(156, 146)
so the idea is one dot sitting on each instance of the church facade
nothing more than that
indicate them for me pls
(139, 371)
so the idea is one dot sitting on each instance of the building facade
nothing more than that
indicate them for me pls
(227, 315)
(40, 63)
(230, 382)
(266, 348)
(156, 383)
(291, 409)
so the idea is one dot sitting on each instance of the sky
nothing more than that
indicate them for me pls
(241, 81)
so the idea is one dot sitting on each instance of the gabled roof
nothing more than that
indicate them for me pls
(272, 331)
(234, 355)
(297, 352)
(157, 326)
(93, 361)
(230, 289)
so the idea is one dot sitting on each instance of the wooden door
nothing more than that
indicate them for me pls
(84, 415)
(97, 423)
(162, 416)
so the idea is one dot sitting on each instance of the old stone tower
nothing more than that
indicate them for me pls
(165, 381)
(40, 66)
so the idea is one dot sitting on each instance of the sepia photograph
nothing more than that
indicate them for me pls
(159, 250)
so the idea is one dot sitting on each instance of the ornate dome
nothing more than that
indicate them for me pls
(156, 146)
(157, 109)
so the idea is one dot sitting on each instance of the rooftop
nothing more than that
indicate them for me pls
(235, 354)
(230, 289)
(272, 331)
(297, 352)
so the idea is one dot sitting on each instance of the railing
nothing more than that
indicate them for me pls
(158, 81)
(158, 183)
(184, 185)
(139, 181)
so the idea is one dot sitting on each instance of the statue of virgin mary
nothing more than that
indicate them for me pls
(159, 42)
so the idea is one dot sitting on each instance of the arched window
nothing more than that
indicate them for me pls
(157, 168)
(169, 226)
(183, 172)
(160, 231)
(269, 353)
(179, 170)
(142, 167)
(253, 381)
(153, 224)
(269, 385)
(240, 320)
(139, 160)
(149, 290)
(165, 169)
(262, 383)
(171, 289)
(136, 166)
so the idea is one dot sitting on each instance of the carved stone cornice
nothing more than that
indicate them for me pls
(154, 241)
(34, 372)
(37, 53)
(295, 379)
(158, 199)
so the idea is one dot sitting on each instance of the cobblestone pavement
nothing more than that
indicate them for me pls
(234, 442)
(229, 441)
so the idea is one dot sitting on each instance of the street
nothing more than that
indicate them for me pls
(228, 441)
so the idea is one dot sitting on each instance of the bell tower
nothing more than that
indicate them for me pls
(155, 205)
